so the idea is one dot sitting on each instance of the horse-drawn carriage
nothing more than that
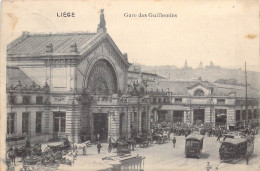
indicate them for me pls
(23, 152)
(161, 135)
(144, 140)
(121, 145)
(55, 148)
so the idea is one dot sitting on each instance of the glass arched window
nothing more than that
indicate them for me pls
(199, 92)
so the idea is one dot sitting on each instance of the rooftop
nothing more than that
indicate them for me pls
(181, 88)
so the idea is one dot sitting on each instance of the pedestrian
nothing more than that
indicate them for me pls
(174, 141)
(98, 136)
(27, 143)
(133, 144)
(99, 146)
(219, 135)
(66, 141)
(247, 158)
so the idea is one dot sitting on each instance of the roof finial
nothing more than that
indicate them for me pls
(102, 23)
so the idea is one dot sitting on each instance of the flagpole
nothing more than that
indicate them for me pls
(247, 118)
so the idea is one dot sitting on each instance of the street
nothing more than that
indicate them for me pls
(165, 157)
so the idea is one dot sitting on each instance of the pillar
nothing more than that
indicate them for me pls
(148, 115)
(241, 113)
(129, 119)
(73, 120)
(113, 124)
(139, 120)
(191, 116)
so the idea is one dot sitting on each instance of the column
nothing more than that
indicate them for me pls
(207, 115)
(114, 124)
(191, 116)
(18, 122)
(241, 113)
(46, 121)
(231, 116)
(155, 116)
(139, 120)
(129, 118)
(32, 122)
(148, 121)
(185, 114)
(73, 120)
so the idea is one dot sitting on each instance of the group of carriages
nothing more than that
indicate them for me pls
(125, 145)
(34, 158)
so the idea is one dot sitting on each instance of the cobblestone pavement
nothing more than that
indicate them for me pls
(165, 157)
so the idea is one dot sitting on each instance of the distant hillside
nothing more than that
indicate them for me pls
(211, 74)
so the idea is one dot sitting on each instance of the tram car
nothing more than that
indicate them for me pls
(234, 149)
(194, 145)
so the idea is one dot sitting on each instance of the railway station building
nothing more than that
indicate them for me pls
(201, 101)
(72, 84)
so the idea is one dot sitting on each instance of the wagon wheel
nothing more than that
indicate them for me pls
(47, 149)
(23, 156)
(39, 166)
(64, 152)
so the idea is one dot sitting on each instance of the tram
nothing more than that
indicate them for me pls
(194, 145)
(234, 149)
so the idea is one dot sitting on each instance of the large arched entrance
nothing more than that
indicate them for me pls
(102, 79)
(102, 82)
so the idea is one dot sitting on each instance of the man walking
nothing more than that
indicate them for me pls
(247, 158)
(99, 146)
(174, 141)
(219, 135)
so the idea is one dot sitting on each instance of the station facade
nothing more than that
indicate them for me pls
(203, 102)
(72, 84)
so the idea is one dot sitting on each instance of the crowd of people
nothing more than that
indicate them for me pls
(211, 130)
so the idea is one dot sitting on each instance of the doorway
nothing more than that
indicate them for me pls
(178, 116)
(198, 116)
(100, 126)
(221, 117)
(59, 125)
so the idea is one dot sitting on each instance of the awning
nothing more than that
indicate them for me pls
(172, 107)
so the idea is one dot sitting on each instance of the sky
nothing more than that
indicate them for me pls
(223, 31)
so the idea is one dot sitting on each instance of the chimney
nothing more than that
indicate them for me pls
(49, 48)
(74, 48)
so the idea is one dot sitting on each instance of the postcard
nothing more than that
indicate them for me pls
(130, 85)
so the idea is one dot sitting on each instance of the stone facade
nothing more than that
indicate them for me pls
(87, 97)
(182, 102)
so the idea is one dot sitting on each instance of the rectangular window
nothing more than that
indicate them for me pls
(220, 101)
(178, 100)
(154, 100)
(255, 113)
(25, 122)
(244, 115)
(39, 100)
(38, 122)
(237, 115)
(250, 114)
(26, 99)
(159, 100)
(12, 99)
(59, 121)
(10, 123)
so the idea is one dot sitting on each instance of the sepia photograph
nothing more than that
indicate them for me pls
(130, 85)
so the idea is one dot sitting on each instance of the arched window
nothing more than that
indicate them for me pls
(199, 92)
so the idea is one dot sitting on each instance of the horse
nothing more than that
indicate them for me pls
(70, 157)
(11, 155)
(82, 146)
